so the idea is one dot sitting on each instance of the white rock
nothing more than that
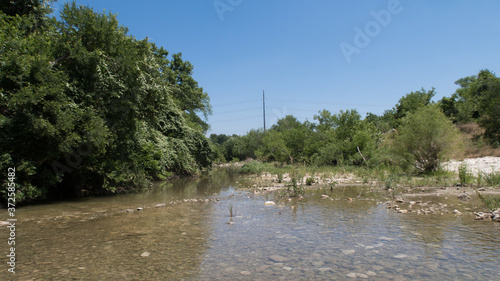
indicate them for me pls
(348, 252)
(145, 254)
(269, 203)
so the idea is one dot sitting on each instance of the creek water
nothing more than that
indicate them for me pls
(306, 239)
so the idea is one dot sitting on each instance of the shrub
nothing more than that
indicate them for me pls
(425, 138)
(253, 167)
(309, 181)
(464, 175)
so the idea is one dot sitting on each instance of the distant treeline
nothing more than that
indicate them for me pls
(87, 108)
(415, 135)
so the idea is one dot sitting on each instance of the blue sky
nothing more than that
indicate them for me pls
(292, 50)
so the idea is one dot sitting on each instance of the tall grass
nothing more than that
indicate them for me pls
(492, 179)
(464, 175)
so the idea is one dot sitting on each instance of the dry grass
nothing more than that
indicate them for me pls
(474, 144)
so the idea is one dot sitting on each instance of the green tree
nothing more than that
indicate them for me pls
(84, 105)
(412, 102)
(342, 136)
(425, 138)
(274, 148)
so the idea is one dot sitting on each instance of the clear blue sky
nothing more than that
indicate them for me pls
(292, 50)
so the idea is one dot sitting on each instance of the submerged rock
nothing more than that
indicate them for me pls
(278, 258)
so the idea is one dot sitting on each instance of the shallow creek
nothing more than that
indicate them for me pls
(306, 239)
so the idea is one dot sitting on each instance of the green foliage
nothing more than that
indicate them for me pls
(491, 202)
(280, 177)
(84, 105)
(342, 136)
(413, 102)
(492, 179)
(477, 100)
(252, 167)
(309, 181)
(425, 138)
(464, 175)
(274, 148)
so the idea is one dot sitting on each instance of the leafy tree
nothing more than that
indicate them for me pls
(425, 138)
(249, 144)
(476, 101)
(344, 135)
(490, 109)
(84, 105)
(274, 148)
(412, 102)
(191, 98)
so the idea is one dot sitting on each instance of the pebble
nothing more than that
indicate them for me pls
(245, 272)
(278, 258)
(400, 256)
(371, 273)
(287, 268)
(269, 203)
(145, 254)
(348, 252)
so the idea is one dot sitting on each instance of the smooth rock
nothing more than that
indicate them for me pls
(160, 205)
(269, 203)
(287, 268)
(371, 273)
(324, 196)
(145, 254)
(245, 272)
(400, 256)
(323, 269)
(496, 218)
(457, 212)
(278, 258)
(351, 275)
(348, 252)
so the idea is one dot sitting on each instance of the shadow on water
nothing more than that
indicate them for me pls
(348, 234)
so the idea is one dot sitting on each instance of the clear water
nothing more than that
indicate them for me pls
(307, 239)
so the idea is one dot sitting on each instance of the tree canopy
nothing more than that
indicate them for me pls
(86, 106)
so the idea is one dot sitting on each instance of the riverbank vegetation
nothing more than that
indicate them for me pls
(403, 147)
(87, 108)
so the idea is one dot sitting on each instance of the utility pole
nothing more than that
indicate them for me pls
(264, 109)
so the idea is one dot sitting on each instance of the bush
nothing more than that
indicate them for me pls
(425, 138)
(464, 175)
(253, 167)
(309, 181)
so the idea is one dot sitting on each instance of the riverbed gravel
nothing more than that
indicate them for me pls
(475, 165)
